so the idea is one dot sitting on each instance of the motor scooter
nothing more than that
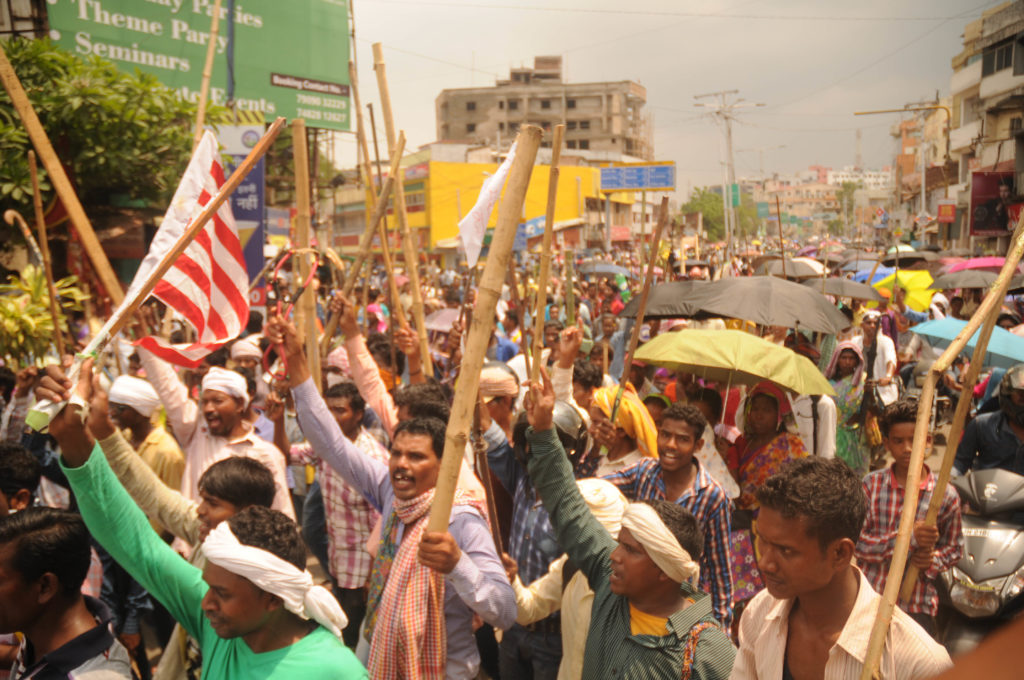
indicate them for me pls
(986, 588)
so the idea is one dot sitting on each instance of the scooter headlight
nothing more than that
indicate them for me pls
(1014, 585)
(976, 600)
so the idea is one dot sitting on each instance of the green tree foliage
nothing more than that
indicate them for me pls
(708, 202)
(26, 327)
(118, 134)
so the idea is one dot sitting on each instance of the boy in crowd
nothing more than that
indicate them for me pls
(647, 618)
(933, 548)
(814, 618)
(677, 476)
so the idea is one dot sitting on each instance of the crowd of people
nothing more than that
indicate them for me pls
(248, 519)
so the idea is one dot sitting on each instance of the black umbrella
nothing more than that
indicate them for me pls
(843, 288)
(666, 301)
(770, 301)
(965, 278)
(909, 256)
(794, 269)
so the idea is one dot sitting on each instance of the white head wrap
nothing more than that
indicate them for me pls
(134, 392)
(229, 382)
(605, 501)
(245, 349)
(270, 573)
(871, 314)
(661, 545)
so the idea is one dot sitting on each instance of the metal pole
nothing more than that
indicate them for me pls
(608, 222)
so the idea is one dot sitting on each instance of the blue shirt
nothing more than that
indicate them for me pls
(989, 442)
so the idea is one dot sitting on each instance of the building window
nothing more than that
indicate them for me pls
(570, 125)
(513, 127)
(996, 58)
(471, 106)
(584, 124)
(513, 104)
(501, 103)
(584, 144)
(570, 103)
(470, 128)
(545, 103)
(501, 126)
(571, 144)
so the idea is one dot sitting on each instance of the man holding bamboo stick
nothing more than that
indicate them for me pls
(814, 617)
(425, 586)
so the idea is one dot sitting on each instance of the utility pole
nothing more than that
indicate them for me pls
(723, 110)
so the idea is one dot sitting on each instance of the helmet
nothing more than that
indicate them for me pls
(570, 426)
(1013, 380)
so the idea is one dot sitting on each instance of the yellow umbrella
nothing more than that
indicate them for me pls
(915, 282)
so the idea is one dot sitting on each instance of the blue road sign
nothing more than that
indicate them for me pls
(638, 177)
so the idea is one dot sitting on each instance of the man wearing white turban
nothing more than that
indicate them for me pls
(647, 618)
(132, 404)
(215, 428)
(254, 609)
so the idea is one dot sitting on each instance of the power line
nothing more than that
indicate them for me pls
(661, 13)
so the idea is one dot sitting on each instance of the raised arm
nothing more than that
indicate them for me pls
(329, 443)
(585, 541)
(111, 516)
(182, 412)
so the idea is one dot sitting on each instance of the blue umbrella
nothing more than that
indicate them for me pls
(857, 265)
(1005, 349)
(880, 273)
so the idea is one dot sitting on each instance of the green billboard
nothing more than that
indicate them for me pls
(290, 56)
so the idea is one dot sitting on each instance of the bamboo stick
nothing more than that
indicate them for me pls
(998, 292)
(204, 87)
(879, 631)
(545, 253)
(61, 183)
(44, 246)
(409, 250)
(44, 411)
(305, 308)
(482, 326)
(782, 248)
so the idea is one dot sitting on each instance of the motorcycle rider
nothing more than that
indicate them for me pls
(996, 440)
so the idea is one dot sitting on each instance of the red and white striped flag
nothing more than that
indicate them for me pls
(208, 283)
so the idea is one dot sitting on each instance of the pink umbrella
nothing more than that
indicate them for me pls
(991, 263)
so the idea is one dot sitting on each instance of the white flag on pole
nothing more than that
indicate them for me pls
(474, 224)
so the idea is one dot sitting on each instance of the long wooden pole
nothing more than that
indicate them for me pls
(44, 246)
(305, 308)
(782, 248)
(908, 517)
(963, 406)
(545, 254)
(482, 326)
(634, 336)
(61, 183)
(39, 417)
(409, 250)
(204, 87)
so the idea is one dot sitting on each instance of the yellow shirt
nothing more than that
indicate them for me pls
(646, 624)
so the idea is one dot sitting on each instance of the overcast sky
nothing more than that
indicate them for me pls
(811, 63)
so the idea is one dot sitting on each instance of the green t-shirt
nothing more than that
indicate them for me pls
(122, 529)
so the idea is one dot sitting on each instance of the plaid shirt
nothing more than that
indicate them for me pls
(708, 503)
(349, 517)
(878, 537)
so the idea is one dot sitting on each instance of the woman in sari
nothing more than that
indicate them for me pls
(846, 373)
(768, 442)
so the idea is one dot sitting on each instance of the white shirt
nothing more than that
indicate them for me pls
(885, 355)
(803, 414)
(909, 653)
(203, 449)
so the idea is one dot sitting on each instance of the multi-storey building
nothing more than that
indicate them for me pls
(603, 117)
